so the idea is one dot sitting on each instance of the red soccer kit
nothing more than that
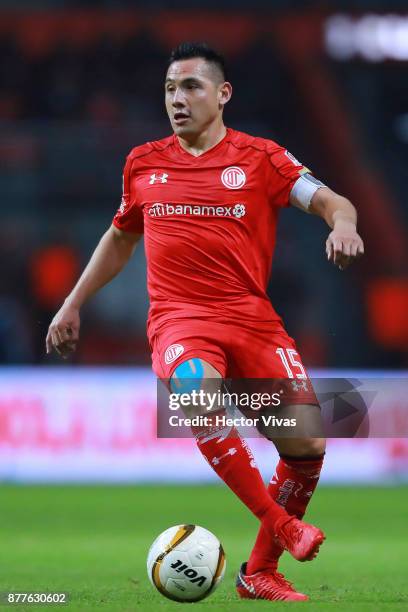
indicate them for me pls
(209, 225)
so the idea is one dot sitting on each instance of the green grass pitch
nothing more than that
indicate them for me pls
(91, 541)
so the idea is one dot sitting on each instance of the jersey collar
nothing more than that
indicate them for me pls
(208, 153)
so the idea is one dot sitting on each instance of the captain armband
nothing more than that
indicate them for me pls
(303, 191)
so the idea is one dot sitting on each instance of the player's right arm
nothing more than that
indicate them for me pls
(109, 258)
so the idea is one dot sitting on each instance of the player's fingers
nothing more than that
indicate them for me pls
(329, 249)
(346, 250)
(59, 335)
(73, 333)
(341, 260)
(354, 250)
(48, 342)
(64, 333)
(55, 342)
(338, 252)
(67, 348)
(357, 250)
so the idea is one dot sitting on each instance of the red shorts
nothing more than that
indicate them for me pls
(237, 352)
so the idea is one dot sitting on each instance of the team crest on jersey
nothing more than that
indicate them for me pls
(233, 177)
(172, 352)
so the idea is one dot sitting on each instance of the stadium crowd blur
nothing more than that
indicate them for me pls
(81, 87)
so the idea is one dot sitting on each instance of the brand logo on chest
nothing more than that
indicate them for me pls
(158, 178)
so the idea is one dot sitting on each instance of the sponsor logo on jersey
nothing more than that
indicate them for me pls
(200, 210)
(158, 178)
(239, 210)
(233, 177)
(172, 352)
(293, 159)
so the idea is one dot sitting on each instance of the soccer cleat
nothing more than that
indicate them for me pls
(300, 539)
(268, 584)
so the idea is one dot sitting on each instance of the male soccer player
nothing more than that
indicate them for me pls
(207, 199)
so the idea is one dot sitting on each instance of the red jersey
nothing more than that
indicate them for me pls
(209, 225)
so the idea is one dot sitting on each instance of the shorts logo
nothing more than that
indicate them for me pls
(299, 385)
(172, 352)
(233, 177)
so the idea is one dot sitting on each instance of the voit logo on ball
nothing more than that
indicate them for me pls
(172, 352)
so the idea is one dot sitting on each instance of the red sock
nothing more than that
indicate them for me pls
(291, 487)
(231, 458)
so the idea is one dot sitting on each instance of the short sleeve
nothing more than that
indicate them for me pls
(285, 170)
(129, 216)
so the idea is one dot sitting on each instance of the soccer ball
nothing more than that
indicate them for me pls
(186, 563)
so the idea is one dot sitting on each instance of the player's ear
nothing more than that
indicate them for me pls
(224, 93)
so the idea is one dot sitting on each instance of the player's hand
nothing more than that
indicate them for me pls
(344, 245)
(63, 333)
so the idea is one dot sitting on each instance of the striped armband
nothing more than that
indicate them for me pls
(303, 191)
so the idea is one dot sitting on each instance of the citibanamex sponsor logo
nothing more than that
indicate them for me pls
(172, 352)
(196, 210)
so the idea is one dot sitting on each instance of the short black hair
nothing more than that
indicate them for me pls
(187, 50)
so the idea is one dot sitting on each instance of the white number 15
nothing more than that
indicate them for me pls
(288, 357)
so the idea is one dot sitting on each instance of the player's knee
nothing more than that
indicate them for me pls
(304, 447)
(300, 447)
(312, 447)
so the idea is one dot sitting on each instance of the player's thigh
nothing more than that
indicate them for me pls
(267, 360)
(265, 352)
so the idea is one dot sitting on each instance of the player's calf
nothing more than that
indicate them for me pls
(292, 486)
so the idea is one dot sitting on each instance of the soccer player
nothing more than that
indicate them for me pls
(207, 200)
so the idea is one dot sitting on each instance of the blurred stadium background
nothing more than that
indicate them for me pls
(82, 83)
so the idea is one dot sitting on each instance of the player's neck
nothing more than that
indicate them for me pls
(199, 144)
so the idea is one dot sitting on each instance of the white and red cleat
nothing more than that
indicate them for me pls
(268, 584)
(300, 539)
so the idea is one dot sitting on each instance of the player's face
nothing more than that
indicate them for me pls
(195, 96)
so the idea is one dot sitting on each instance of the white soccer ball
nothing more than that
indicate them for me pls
(186, 563)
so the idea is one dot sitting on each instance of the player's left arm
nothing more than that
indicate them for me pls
(344, 245)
